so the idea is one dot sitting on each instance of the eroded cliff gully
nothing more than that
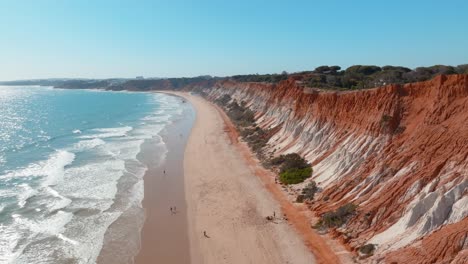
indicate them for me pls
(399, 152)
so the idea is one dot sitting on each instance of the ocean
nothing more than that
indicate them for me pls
(69, 169)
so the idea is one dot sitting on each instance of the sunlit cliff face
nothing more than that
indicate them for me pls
(399, 152)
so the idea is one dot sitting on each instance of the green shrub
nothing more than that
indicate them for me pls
(293, 168)
(290, 161)
(337, 218)
(271, 78)
(327, 69)
(224, 100)
(240, 115)
(363, 69)
(257, 144)
(331, 219)
(367, 249)
(369, 76)
(294, 161)
(386, 118)
(346, 210)
(462, 69)
(309, 191)
(300, 198)
(256, 138)
(400, 129)
(277, 161)
(247, 132)
(295, 175)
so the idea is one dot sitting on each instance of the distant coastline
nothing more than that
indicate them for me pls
(323, 77)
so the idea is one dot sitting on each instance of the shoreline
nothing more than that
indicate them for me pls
(164, 235)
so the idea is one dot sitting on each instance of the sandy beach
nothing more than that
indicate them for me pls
(227, 201)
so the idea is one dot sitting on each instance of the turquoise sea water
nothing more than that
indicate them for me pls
(69, 167)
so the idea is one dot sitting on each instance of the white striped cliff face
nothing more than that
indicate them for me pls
(399, 152)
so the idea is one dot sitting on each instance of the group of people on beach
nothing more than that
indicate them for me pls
(273, 217)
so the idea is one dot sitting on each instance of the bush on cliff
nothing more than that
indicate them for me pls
(307, 192)
(244, 119)
(367, 249)
(224, 100)
(310, 190)
(293, 168)
(295, 175)
(337, 218)
(256, 138)
(241, 115)
(290, 161)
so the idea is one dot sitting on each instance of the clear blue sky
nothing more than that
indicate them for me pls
(100, 39)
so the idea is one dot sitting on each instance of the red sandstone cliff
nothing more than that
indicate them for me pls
(399, 152)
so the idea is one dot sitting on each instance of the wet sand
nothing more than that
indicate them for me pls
(164, 237)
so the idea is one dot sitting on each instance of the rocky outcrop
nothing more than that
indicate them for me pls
(399, 152)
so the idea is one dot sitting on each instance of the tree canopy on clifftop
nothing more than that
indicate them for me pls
(357, 76)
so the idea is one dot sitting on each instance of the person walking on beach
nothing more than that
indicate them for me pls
(164, 171)
(204, 233)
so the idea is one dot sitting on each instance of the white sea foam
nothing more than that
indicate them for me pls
(66, 239)
(93, 185)
(108, 132)
(52, 225)
(51, 169)
(123, 149)
(90, 237)
(87, 144)
(8, 193)
(57, 202)
(76, 131)
(8, 243)
(55, 171)
(24, 193)
(157, 118)
(26, 230)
